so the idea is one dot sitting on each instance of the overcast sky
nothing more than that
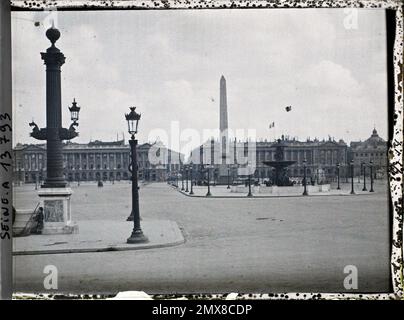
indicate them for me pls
(169, 63)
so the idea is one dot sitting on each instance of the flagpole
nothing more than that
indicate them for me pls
(276, 133)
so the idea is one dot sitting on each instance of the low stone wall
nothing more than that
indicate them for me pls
(275, 190)
(244, 189)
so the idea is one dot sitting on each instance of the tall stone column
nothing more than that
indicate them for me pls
(55, 196)
(53, 60)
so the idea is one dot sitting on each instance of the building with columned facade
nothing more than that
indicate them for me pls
(97, 160)
(320, 155)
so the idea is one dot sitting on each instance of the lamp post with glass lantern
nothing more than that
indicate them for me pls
(137, 235)
(186, 177)
(182, 178)
(371, 176)
(208, 167)
(364, 177)
(54, 192)
(352, 177)
(192, 178)
(228, 176)
(305, 178)
(54, 133)
(338, 185)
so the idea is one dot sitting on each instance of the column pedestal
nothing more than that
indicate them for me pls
(57, 211)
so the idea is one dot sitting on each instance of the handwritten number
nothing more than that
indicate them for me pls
(4, 139)
(5, 127)
(5, 165)
(5, 154)
(5, 116)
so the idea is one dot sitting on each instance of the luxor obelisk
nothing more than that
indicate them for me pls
(223, 119)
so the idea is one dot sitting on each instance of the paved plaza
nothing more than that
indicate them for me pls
(101, 235)
(231, 245)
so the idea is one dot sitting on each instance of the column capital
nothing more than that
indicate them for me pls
(53, 57)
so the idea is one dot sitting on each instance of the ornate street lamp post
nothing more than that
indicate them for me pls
(228, 177)
(364, 177)
(54, 133)
(192, 177)
(305, 178)
(54, 193)
(186, 177)
(352, 177)
(208, 167)
(338, 185)
(182, 178)
(137, 235)
(371, 176)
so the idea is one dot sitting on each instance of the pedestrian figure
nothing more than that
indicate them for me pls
(39, 217)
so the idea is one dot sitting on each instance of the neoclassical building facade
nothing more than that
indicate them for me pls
(97, 160)
(372, 150)
(321, 156)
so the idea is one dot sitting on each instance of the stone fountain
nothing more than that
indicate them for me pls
(281, 177)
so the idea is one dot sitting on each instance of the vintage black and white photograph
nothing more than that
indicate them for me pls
(201, 151)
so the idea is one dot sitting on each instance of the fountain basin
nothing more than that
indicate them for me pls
(282, 191)
(295, 190)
